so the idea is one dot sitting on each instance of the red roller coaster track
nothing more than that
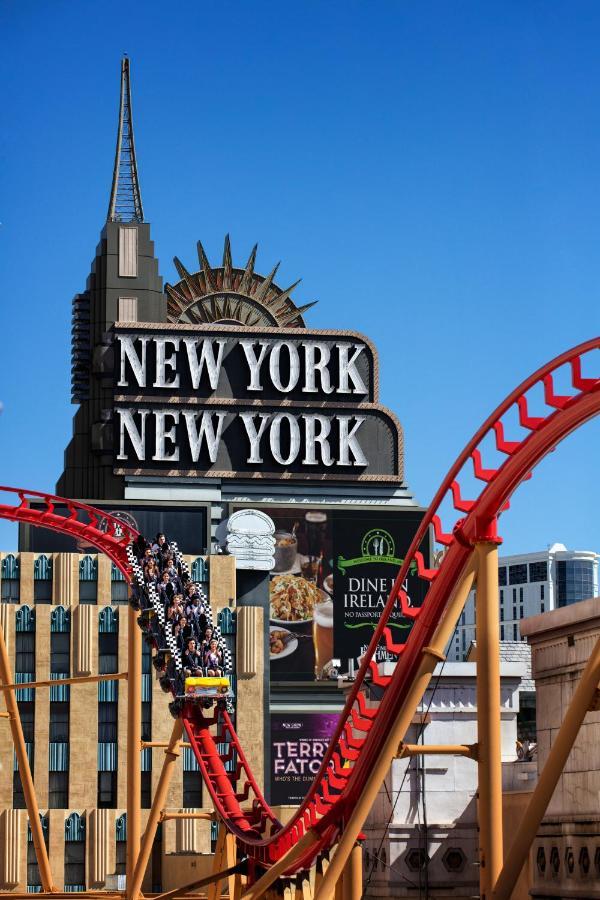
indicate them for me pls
(361, 731)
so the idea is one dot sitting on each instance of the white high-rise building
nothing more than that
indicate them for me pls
(529, 584)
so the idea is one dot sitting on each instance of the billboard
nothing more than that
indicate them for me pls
(298, 744)
(369, 548)
(333, 573)
(228, 401)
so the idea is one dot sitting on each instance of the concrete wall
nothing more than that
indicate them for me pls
(565, 857)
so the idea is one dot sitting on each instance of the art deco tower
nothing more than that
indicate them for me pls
(124, 285)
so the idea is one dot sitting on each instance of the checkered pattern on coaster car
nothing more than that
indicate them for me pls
(145, 596)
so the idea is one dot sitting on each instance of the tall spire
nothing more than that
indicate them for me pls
(125, 196)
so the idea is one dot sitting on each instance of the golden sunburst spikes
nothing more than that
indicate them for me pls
(227, 265)
(245, 283)
(228, 294)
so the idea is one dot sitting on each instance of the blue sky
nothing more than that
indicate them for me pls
(431, 170)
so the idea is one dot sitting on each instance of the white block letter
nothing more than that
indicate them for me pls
(314, 437)
(164, 362)
(254, 436)
(317, 365)
(205, 432)
(207, 358)
(138, 365)
(275, 438)
(137, 438)
(349, 442)
(162, 435)
(254, 364)
(294, 366)
(348, 370)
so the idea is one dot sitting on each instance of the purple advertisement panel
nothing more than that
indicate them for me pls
(298, 744)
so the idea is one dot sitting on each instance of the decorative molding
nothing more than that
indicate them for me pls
(246, 642)
(10, 846)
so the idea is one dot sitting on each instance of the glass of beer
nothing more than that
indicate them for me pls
(322, 635)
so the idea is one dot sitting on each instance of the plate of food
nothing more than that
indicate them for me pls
(281, 642)
(293, 599)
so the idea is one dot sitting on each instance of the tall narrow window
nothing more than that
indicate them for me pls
(60, 654)
(34, 881)
(42, 579)
(58, 790)
(88, 580)
(107, 790)
(108, 641)
(10, 579)
(121, 842)
(59, 721)
(118, 586)
(74, 853)
(107, 722)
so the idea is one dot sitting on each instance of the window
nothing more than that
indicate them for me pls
(192, 790)
(42, 579)
(59, 722)
(121, 856)
(10, 579)
(502, 576)
(18, 795)
(520, 595)
(146, 790)
(119, 592)
(118, 586)
(542, 592)
(121, 842)
(108, 652)
(574, 581)
(147, 721)
(34, 882)
(542, 608)
(501, 614)
(514, 612)
(88, 580)
(75, 865)
(502, 632)
(58, 790)
(538, 571)
(27, 713)
(146, 659)
(60, 653)
(517, 574)
(501, 596)
(107, 790)
(25, 652)
(107, 722)
(521, 611)
(514, 595)
(515, 632)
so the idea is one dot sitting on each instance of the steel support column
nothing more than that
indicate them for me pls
(489, 757)
(431, 655)
(353, 875)
(134, 737)
(33, 810)
(171, 755)
(548, 779)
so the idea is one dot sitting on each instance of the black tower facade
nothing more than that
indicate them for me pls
(124, 286)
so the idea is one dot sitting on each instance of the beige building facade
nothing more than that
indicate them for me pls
(65, 614)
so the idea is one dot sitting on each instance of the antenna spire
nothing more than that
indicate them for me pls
(125, 196)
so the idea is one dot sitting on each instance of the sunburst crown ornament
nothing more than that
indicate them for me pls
(232, 296)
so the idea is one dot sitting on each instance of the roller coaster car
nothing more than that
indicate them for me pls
(206, 687)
